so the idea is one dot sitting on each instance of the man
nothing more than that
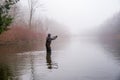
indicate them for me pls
(48, 42)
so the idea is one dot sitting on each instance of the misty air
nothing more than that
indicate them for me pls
(59, 40)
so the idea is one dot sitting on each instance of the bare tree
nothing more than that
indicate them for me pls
(28, 13)
(33, 5)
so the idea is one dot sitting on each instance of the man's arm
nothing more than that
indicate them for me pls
(53, 38)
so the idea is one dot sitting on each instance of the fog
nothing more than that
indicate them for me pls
(81, 15)
(26, 51)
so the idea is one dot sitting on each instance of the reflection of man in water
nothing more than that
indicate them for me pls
(48, 42)
(49, 61)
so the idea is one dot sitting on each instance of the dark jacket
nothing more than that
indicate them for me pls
(48, 42)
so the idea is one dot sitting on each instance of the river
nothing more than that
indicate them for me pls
(77, 59)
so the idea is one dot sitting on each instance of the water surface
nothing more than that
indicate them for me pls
(78, 59)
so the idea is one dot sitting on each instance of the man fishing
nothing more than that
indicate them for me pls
(48, 42)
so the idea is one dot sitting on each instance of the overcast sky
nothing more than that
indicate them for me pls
(81, 15)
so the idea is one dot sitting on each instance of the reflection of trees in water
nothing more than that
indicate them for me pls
(23, 46)
(5, 72)
(110, 35)
(29, 64)
(115, 48)
(18, 64)
(22, 64)
(112, 45)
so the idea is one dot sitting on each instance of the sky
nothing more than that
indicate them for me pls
(81, 15)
